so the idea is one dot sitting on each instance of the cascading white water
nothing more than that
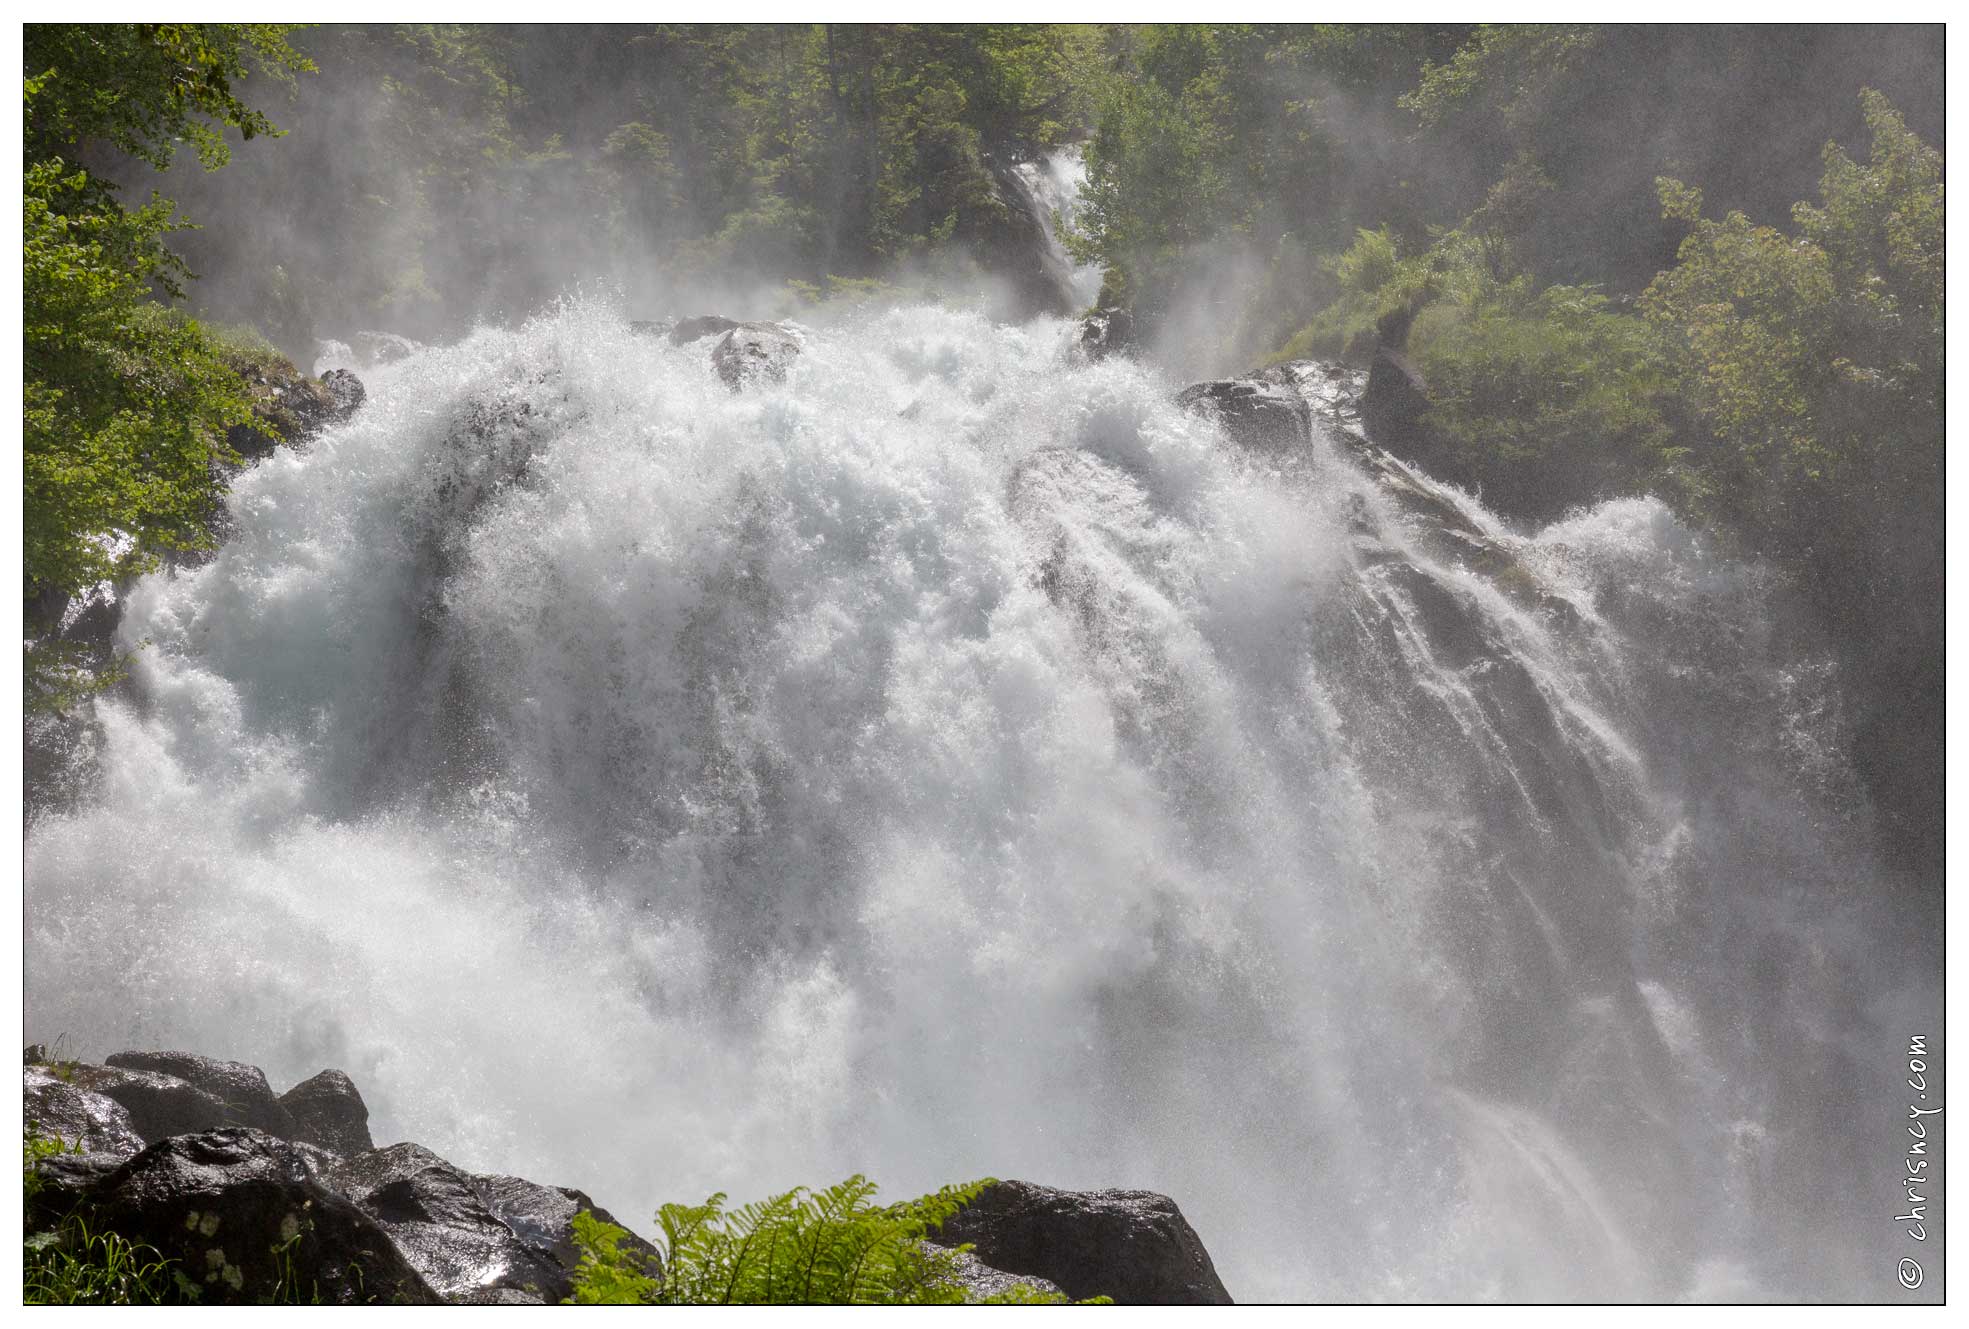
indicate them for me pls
(1055, 182)
(958, 760)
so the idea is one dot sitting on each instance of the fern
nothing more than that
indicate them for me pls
(830, 1247)
(607, 1275)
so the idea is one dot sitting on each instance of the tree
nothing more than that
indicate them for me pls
(126, 402)
(1815, 364)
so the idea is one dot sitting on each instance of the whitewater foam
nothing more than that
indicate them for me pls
(959, 760)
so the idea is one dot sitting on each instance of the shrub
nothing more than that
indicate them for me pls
(1371, 283)
(1553, 395)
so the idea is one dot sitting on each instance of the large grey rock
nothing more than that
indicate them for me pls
(345, 393)
(754, 352)
(542, 1218)
(693, 329)
(1265, 410)
(243, 1217)
(58, 1108)
(327, 1111)
(1397, 396)
(434, 1213)
(242, 1088)
(981, 1281)
(159, 1105)
(1106, 331)
(1133, 1246)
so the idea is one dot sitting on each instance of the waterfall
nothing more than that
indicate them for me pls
(957, 759)
(1053, 184)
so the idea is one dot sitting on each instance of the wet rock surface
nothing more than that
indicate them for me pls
(1133, 1246)
(752, 353)
(243, 1089)
(56, 1107)
(1264, 410)
(159, 1105)
(1107, 331)
(328, 1111)
(693, 329)
(981, 1281)
(243, 1218)
(247, 1216)
(437, 1218)
(542, 1218)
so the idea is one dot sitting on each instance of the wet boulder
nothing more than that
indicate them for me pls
(438, 1219)
(328, 1112)
(345, 393)
(1396, 398)
(1107, 331)
(245, 1220)
(750, 353)
(980, 1281)
(57, 1108)
(242, 1088)
(159, 1105)
(1265, 411)
(1133, 1246)
(689, 330)
(542, 1218)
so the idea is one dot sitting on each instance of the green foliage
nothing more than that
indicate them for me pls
(1558, 395)
(1506, 70)
(71, 1264)
(75, 1265)
(1369, 283)
(606, 1274)
(1814, 361)
(125, 403)
(1221, 139)
(829, 1247)
(144, 88)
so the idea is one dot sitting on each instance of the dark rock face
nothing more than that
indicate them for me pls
(1395, 399)
(345, 391)
(242, 1088)
(328, 1112)
(980, 1280)
(542, 1218)
(159, 1105)
(57, 1108)
(290, 408)
(704, 325)
(753, 352)
(1133, 1246)
(438, 1219)
(1266, 410)
(243, 1217)
(1107, 331)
